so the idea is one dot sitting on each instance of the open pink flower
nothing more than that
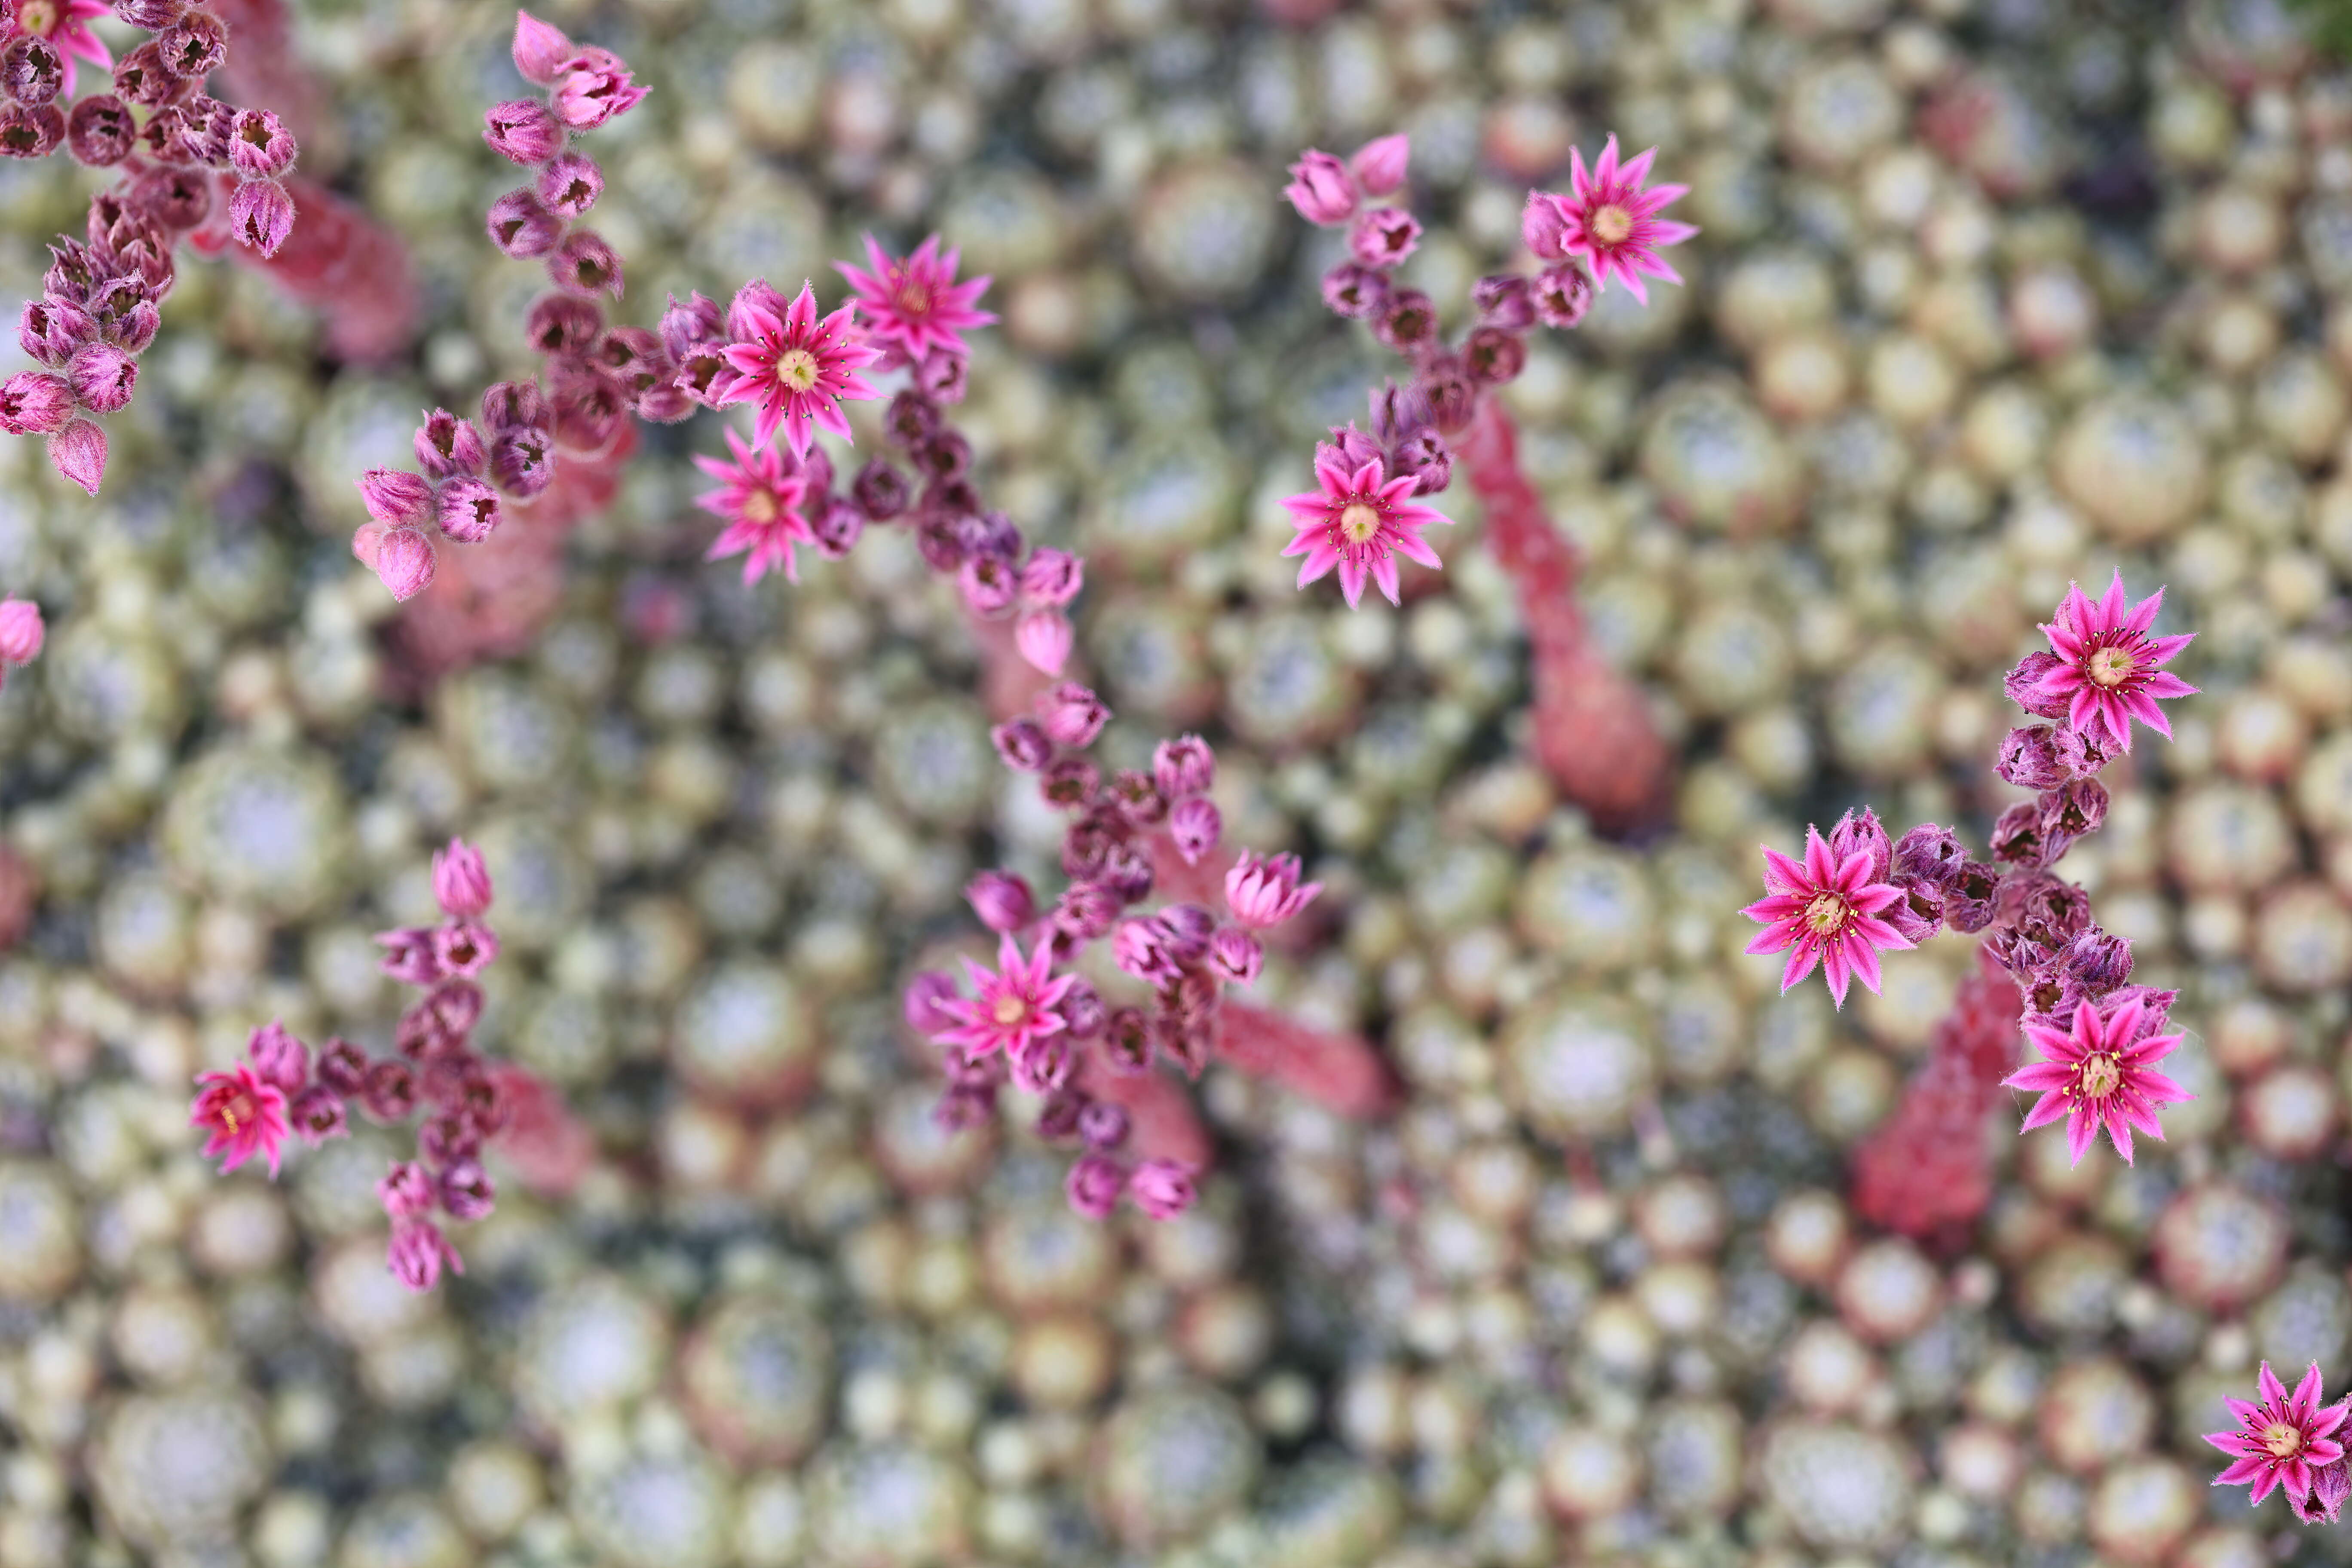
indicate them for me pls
(795, 366)
(2284, 1441)
(247, 1113)
(1361, 521)
(759, 497)
(1016, 1006)
(1828, 909)
(66, 25)
(915, 301)
(1611, 223)
(2107, 664)
(2100, 1073)
(1263, 890)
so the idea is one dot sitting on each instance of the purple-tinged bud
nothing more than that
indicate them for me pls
(260, 145)
(1860, 832)
(465, 947)
(1126, 1043)
(1503, 300)
(134, 329)
(570, 183)
(1136, 948)
(154, 15)
(589, 406)
(1425, 456)
(695, 323)
(405, 560)
(1087, 843)
(1918, 915)
(1126, 874)
(418, 1252)
(1072, 715)
(179, 199)
(582, 263)
(78, 452)
(1082, 1010)
(1265, 890)
(1162, 1188)
(35, 403)
(943, 377)
(406, 1191)
(1070, 782)
(2022, 686)
(51, 330)
(466, 1191)
(1379, 165)
(408, 955)
(1043, 638)
(1184, 766)
(1562, 294)
(910, 421)
(1052, 577)
(510, 405)
(102, 377)
(1044, 1065)
(316, 1114)
(2100, 961)
(923, 1008)
(1022, 745)
(396, 497)
(21, 631)
(2074, 808)
(522, 462)
(1928, 854)
(211, 127)
(540, 50)
(837, 527)
(1383, 237)
(1137, 798)
(1002, 901)
(989, 584)
(1186, 931)
(1445, 385)
(593, 87)
(262, 213)
(1969, 896)
(449, 447)
(1086, 911)
(1494, 355)
(946, 455)
(279, 1056)
(195, 46)
(1350, 447)
(2029, 758)
(1544, 226)
(1236, 956)
(342, 1068)
(756, 298)
(467, 510)
(31, 132)
(171, 137)
(1407, 323)
(1320, 189)
(1359, 293)
(522, 227)
(1057, 1118)
(2080, 754)
(1103, 1125)
(145, 78)
(522, 131)
(31, 70)
(561, 324)
(880, 491)
(1093, 1185)
(2017, 836)
(388, 1093)
(1195, 824)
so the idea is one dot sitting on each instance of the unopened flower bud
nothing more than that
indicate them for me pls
(1043, 638)
(35, 403)
(1002, 901)
(262, 213)
(1320, 189)
(396, 497)
(1544, 226)
(1504, 300)
(1383, 237)
(1561, 295)
(449, 447)
(1023, 744)
(22, 631)
(540, 49)
(522, 131)
(1094, 1184)
(521, 227)
(1236, 956)
(1195, 825)
(405, 560)
(259, 146)
(407, 1190)
(570, 184)
(1407, 323)
(100, 131)
(78, 452)
(1162, 1188)
(1072, 715)
(1356, 292)
(583, 264)
(1380, 166)
(31, 70)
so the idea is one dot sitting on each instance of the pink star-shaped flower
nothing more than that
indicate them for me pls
(914, 302)
(2100, 1073)
(1359, 522)
(66, 23)
(1015, 1007)
(247, 1113)
(2284, 1441)
(760, 497)
(1610, 222)
(795, 366)
(1828, 909)
(2107, 664)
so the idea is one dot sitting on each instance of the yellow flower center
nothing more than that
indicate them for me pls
(2110, 666)
(797, 369)
(2101, 1074)
(1611, 225)
(238, 1109)
(914, 298)
(1826, 914)
(1010, 1010)
(2283, 1439)
(1360, 522)
(759, 506)
(38, 16)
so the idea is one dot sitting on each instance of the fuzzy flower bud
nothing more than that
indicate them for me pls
(1094, 1184)
(50, 330)
(2029, 758)
(405, 560)
(1379, 165)
(134, 329)
(395, 496)
(1427, 459)
(1561, 295)
(1320, 189)
(1137, 949)
(195, 46)
(836, 527)
(583, 264)
(100, 132)
(78, 452)
(466, 1191)
(317, 1114)
(31, 132)
(522, 131)
(259, 146)
(1162, 1188)
(1544, 228)
(1505, 300)
(33, 402)
(1383, 237)
(570, 184)
(1265, 890)
(521, 227)
(31, 70)
(1356, 292)
(1022, 745)
(1494, 355)
(1184, 766)
(418, 1252)
(21, 631)
(1052, 577)
(278, 1058)
(1407, 323)
(2022, 686)
(461, 880)
(1043, 638)
(406, 1191)
(924, 1008)
(540, 49)
(449, 447)
(1072, 715)
(561, 325)
(1195, 824)
(1002, 901)
(523, 461)
(595, 86)
(262, 213)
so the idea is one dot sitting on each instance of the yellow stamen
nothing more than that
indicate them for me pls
(2283, 1439)
(1611, 225)
(797, 369)
(1360, 522)
(1827, 914)
(2100, 1075)
(759, 506)
(2109, 666)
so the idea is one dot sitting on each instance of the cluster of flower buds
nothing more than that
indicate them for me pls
(1048, 1032)
(193, 168)
(1358, 520)
(1856, 894)
(277, 1089)
(21, 633)
(595, 375)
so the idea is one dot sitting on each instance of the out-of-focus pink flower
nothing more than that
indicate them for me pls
(1609, 221)
(419, 1251)
(914, 302)
(1162, 1188)
(317, 1114)
(760, 497)
(409, 956)
(1235, 955)
(1383, 238)
(1072, 715)
(795, 367)
(1829, 910)
(1002, 901)
(465, 947)
(281, 1058)
(245, 1113)
(1016, 1005)
(1379, 165)
(1094, 1184)
(466, 1191)
(405, 1191)
(2100, 1072)
(1185, 765)
(1560, 295)
(1321, 189)
(1044, 638)
(1194, 824)
(2107, 669)
(594, 85)
(2283, 1441)
(1359, 522)
(461, 879)
(21, 631)
(1265, 890)
(1052, 577)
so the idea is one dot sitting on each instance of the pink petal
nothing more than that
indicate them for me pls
(2112, 609)
(2143, 615)
(2039, 1075)
(2081, 1132)
(1384, 574)
(2273, 1391)
(1351, 582)
(1604, 168)
(1820, 871)
(2304, 1403)
(1637, 170)
(2241, 1473)
(1800, 964)
(1414, 548)
(2046, 1110)
(1838, 972)
(1861, 958)
(2160, 650)
(1791, 877)
(2164, 683)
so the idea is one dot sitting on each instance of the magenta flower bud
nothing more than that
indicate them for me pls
(836, 527)
(395, 496)
(154, 15)
(178, 199)
(143, 76)
(1127, 1042)
(1137, 949)
(418, 1252)
(1320, 189)
(1052, 577)
(943, 376)
(1356, 292)
(523, 461)
(989, 584)
(21, 631)
(1378, 166)
(755, 299)
(1503, 301)
(31, 70)
(449, 447)
(1562, 294)
(570, 183)
(2017, 834)
(1126, 873)
(465, 947)
(1103, 1125)
(522, 227)
(1236, 956)
(1057, 1118)
(50, 330)
(522, 131)
(260, 145)
(1263, 891)
(1969, 896)
(1494, 356)
(1184, 766)
(388, 1093)
(1086, 911)
(2080, 753)
(696, 323)
(1184, 932)
(1544, 226)
(1002, 901)
(1043, 1066)
(1928, 854)
(34, 403)
(590, 407)
(262, 213)
(316, 1114)
(1070, 782)
(1350, 447)
(466, 1191)
(279, 1057)
(102, 377)
(1043, 638)
(1082, 1010)
(2074, 808)
(1859, 832)
(925, 1008)
(595, 86)
(1427, 459)
(2029, 758)
(407, 1190)
(31, 132)
(583, 264)
(134, 329)
(1195, 825)
(944, 455)
(1136, 796)
(1094, 1184)
(1022, 745)
(342, 1068)
(2022, 686)
(195, 46)
(461, 883)
(1407, 323)
(78, 452)
(540, 50)
(510, 405)
(1383, 238)
(1162, 1188)
(1072, 715)
(405, 561)
(880, 491)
